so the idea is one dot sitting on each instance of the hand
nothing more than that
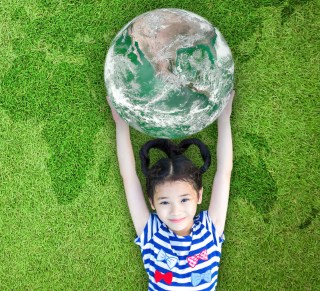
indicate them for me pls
(228, 109)
(116, 117)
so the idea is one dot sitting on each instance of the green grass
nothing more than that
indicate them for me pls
(64, 223)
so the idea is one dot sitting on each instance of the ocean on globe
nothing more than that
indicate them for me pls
(169, 73)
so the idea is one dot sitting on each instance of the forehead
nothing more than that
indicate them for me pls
(175, 188)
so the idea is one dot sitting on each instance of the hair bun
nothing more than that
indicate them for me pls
(165, 145)
(171, 150)
(204, 151)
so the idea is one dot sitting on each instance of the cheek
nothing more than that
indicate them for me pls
(162, 214)
(161, 210)
(193, 206)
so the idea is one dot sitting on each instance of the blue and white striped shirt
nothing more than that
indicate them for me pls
(181, 263)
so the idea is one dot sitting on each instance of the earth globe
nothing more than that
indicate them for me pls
(169, 73)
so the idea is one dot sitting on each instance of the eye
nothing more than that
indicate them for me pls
(164, 203)
(185, 200)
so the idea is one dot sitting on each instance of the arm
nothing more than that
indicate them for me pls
(134, 194)
(221, 184)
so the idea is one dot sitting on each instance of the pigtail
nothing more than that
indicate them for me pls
(204, 150)
(165, 145)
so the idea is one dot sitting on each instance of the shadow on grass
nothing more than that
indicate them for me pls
(310, 218)
(252, 180)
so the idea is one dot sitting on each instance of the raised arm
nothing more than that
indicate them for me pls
(221, 184)
(135, 198)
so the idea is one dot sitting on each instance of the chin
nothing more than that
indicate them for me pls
(182, 232)
(183, 228)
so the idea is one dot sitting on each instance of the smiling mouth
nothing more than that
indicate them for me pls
(176, 220)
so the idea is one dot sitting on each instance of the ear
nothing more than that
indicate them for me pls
(151, 204)
(200, 196)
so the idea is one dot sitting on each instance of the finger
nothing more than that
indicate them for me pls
(232, 94)
(231, 98)
(108, 99)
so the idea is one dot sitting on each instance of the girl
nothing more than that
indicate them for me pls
(180, 251)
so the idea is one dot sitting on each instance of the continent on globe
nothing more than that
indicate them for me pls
(169, 73)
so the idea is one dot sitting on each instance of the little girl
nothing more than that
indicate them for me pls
(180, 251)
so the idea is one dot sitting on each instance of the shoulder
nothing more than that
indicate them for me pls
(206, 221)
(151, 228)
(203, 218)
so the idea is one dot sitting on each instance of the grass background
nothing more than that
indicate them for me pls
(64, 222)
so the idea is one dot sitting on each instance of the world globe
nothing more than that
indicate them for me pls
(169, 73)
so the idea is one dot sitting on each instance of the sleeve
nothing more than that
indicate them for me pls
(208, 224)
(152, 226)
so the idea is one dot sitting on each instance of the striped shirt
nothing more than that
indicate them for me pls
(181, 263)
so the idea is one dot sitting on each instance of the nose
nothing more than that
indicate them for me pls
(175, 209)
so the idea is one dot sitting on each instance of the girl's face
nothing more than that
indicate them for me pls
(176, 205)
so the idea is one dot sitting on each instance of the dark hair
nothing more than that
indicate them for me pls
(176, 167)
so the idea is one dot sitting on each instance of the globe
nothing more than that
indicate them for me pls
(169, 73)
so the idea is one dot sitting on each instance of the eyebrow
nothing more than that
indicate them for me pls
(165, 197)
(184, 195)
(162, 198)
